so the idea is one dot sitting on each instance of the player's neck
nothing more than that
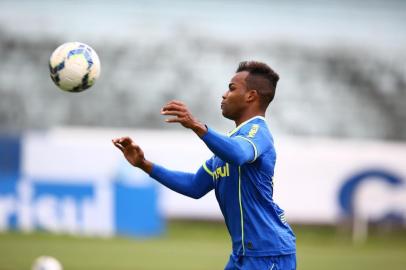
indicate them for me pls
(248, 116)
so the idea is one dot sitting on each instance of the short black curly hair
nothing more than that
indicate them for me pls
(261, 78)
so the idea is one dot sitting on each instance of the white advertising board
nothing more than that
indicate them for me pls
(316, 181)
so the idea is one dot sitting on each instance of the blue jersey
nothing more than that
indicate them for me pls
(244, 192)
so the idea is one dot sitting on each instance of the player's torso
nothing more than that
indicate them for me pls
(232, 182)
(244, 194)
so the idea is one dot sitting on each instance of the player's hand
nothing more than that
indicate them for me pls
(183, 116)
(133, 153)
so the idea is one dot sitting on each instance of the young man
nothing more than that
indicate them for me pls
(241, 171)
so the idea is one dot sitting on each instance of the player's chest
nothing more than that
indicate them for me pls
(224, 174)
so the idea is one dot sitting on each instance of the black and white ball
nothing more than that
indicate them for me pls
(74, 66)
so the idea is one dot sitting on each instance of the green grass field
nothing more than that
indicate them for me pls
(197, 245)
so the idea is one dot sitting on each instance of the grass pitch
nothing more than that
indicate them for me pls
(198, 245)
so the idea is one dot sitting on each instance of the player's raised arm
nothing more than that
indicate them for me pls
(189, 184)
(233, 150)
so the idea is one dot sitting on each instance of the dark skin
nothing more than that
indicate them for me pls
(239, 104)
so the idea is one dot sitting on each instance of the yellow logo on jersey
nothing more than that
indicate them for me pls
(253, 131)
(221, 171)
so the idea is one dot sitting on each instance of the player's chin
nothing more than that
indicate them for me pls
(226, 114)
(223, 112)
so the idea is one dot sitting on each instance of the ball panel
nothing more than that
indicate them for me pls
(71, 78)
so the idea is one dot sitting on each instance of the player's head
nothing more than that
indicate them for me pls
(252, 88)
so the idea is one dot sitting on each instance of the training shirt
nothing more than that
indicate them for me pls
(245, 194)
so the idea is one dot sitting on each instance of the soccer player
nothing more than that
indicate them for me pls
(240, 171)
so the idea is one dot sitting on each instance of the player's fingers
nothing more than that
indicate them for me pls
(115, 140)
(172, 107)
(177, 113)
(176, 102)
(173, 120)
(119, 146)
(124, 141)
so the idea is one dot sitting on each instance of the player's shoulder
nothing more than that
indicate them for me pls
(256, 125)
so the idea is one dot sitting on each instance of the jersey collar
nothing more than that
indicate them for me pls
(243, 123)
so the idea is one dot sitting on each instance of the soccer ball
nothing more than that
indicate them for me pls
(46, 263)
(74, 66)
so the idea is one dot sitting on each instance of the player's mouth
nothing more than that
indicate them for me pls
(222, 104)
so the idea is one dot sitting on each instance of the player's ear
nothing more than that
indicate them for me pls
(252, 95)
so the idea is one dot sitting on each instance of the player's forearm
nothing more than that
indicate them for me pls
(235, 151)
(188, 184)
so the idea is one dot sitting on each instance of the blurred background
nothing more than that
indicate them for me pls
(339, 122)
